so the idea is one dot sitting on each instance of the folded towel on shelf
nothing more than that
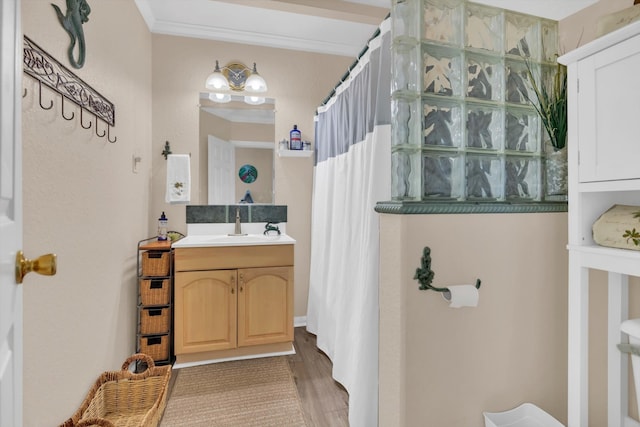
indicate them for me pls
(178, 178)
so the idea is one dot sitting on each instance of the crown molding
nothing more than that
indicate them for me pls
(254, 38)
(343, 38)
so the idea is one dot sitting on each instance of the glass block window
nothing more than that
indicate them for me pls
(463, 128)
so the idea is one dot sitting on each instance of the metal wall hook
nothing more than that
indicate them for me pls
(82, 121)
(115, 138)
(167, 150)
(103, 132)
(24, 92)
(40, 99)
(73, 114)
(425, 275)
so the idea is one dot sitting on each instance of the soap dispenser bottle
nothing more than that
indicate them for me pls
(162, 227)
(295, 138)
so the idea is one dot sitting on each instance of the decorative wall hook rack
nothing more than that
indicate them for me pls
(425, 275)
(46, 70)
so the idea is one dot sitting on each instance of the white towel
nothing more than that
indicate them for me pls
(178, 178)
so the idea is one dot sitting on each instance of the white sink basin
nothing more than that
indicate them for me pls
(207, 240)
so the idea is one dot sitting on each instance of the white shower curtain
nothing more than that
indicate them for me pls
(352, 173)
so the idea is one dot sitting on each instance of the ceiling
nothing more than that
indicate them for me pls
(338, 27)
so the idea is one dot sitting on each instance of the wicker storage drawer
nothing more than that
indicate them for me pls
(154, 320)
(155, 291)
(156, 263)
(155, 346)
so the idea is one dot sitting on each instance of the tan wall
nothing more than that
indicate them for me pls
(581, 27)
(298, 81)
(443, 367)
(263, 161)
(83, 202)
(253, 132)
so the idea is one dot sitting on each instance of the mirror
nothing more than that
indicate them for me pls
(236, 149)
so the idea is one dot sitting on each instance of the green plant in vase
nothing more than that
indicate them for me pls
(550, 102)
(551, 105)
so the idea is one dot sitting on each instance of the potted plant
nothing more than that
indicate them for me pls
(550, 102)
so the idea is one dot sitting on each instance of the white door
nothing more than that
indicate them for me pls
(222, 165)
(10, 214)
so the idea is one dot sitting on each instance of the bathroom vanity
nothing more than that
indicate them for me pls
(233, 297)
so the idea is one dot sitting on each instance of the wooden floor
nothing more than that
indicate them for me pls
(324, 401)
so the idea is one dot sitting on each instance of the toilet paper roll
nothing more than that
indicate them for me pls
(462, 296)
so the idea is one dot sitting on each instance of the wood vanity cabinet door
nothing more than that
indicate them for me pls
(265, 305)
(205, 310)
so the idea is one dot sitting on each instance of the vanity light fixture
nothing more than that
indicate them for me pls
(236, 77)
(254, 100)
(222, 98)
(217, 80)
(255, 83)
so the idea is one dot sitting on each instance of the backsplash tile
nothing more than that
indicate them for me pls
(268, 213)
(206, 214)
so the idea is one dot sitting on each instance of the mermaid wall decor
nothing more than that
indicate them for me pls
(77, 14)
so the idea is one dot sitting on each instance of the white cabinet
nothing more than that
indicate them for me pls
(604, 145)
(609, 108)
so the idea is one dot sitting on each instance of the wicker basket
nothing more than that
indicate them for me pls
(155, 263)
(154, 320)
(124, 399)
(155, 346)
(155, 291)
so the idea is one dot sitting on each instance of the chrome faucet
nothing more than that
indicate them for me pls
(238, 229)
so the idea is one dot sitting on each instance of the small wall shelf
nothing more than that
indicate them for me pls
(295, 153)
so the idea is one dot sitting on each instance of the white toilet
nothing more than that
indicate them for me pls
(631, 327)
(525, 415)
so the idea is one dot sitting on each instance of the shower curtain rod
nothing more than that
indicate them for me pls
(353, 65)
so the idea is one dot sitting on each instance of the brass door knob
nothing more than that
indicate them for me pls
(46, 265)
